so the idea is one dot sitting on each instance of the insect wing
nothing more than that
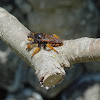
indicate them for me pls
(52, 40)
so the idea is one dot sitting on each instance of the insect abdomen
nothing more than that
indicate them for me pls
(56, 44)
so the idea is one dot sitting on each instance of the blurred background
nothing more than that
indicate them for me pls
(69, 19)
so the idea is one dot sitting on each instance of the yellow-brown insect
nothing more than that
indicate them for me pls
(43, 40)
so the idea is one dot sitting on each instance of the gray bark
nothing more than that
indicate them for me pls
(49, 65)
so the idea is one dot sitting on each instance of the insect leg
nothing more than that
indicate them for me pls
(44, 46)
(54, 35)
(49, 46)
(29, 45)
(36, 50)
(30, 39)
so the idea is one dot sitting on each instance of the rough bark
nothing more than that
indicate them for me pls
(49, 65)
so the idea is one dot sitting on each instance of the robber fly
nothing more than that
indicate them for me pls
(41, 39)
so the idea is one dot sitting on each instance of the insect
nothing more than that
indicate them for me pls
(41, 39)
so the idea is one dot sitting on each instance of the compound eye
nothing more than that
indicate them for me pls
(28, 35)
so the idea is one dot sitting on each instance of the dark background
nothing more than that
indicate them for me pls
(69, 19)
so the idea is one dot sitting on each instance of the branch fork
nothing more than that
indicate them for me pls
(49, 65)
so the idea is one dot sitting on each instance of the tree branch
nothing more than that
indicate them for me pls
(47, 64)
(82, 50)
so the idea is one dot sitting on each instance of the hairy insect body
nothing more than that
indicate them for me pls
(43, 40)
